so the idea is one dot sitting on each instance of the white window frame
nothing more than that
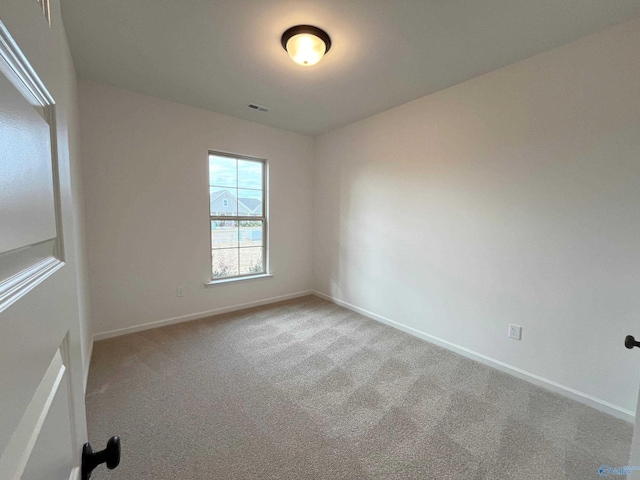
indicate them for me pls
(242, 218)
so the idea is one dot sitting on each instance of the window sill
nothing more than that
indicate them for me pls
(227, 281)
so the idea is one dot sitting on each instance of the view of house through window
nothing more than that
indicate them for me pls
(238, 218)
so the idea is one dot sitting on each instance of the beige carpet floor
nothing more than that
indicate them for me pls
(305, 389)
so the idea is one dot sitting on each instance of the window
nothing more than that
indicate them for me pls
(237, 197)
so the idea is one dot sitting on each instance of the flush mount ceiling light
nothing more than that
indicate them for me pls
(306, 44)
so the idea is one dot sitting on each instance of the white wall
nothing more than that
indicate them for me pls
(511, 198)
(48, 52)
(145, 171)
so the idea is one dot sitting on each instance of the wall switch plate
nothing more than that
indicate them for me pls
(515, 332)
(180, 292)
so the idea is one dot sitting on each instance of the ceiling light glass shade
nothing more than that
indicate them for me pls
(306, 44)
(306, 49)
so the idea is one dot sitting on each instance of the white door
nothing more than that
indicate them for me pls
(42, 422)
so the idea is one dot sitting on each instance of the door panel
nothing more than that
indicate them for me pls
(42, 442)
(52, 455)
(27, 215)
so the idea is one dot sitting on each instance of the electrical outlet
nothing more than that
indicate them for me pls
(179, 292)
(515, 332)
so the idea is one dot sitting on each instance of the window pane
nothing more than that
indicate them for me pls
(250, 203)
(224, 262)
(224, 234)
(250, 174)
(223, 201)
(251, 260)
(251, 233)
(223, 171)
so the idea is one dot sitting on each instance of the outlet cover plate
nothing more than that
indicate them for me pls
(515, 332)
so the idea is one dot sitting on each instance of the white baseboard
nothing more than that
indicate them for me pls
(195, 316)
(555, 387)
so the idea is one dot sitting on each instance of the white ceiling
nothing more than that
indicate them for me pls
(223, 54)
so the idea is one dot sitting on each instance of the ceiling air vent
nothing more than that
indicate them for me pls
(259, 108)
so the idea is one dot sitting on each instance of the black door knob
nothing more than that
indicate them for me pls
(630, 342)
(91, 459)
